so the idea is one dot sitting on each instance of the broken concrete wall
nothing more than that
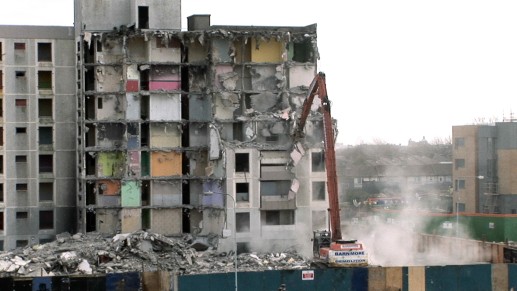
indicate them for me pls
(301, 75)
(165, 48)
(198, 162)
(132, 106)
(198, 134)
(165, 163)
(110, 107)
(165, 107)
(138, 49)
(267, 78)
(166, 221)
(108, 220)
(111, 135)
(131, 220)
(225, 103)
(165, 193)
(221, 49)
(165, 135)
(108, 79)
(197, 53)
(197, 79)
(200, 107)
(243, 48)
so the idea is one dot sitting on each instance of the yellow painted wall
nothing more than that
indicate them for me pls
(267, 52)
(165, 164)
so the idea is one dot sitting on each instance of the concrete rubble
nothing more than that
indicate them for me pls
(134, 252)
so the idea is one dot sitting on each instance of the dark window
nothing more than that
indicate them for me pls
(44, 52)
(22, 243)
(459, 184)
(46, 164)
(318, 162)
(19, 46)
(459, 163)
(279, 217)
(21, 187)
(1, 221)
(46, 191)
(45, 108)
(242, 190)
(459, 142)
(45, 135)
(21, 130)
(20, 102)
(242, 221)
(46, 219)
(318, 191)
(1, 136)
(99, 102)
(22, 214)
(1, 50)
(1, 74)
(242, 162)
(45, 80)
(143, 17)
(19, 74)
(1, 192)
(20, 159)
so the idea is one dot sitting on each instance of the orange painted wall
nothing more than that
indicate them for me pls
(165, 164)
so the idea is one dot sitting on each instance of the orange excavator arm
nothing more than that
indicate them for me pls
(318, 87)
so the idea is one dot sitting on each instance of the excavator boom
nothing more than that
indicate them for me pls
(330, 246)
(319, 87)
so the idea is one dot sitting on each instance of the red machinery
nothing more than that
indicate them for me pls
(329, 246)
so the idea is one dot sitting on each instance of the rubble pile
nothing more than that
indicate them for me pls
(139, 251)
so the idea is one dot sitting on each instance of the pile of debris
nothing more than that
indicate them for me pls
(140, 251)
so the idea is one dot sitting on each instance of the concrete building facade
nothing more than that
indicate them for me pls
(37, 132)
(188, 132)
(484, 172)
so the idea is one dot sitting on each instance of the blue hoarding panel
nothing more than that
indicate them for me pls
(123, 281)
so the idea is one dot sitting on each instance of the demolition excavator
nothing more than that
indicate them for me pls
(330, 250)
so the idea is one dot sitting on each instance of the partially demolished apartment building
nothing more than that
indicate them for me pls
(178, 127)
(37, 134)
(176, 132)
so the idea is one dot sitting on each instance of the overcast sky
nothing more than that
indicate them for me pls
(396, 70)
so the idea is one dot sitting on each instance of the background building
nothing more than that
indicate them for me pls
(484, 171)
(37, 134)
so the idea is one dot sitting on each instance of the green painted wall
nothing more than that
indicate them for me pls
(131, 193)
(111, 164)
